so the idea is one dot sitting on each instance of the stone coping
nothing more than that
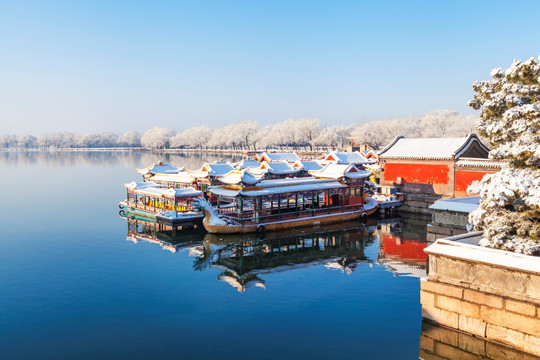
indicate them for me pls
(465, 247)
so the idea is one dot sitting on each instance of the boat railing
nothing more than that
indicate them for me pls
(159, 208)
(267, 215)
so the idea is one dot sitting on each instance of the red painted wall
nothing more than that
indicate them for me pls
(417, 173)
(465, 178)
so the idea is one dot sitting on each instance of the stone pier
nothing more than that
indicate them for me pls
(488, 293)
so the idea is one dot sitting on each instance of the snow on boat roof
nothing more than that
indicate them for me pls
(160, 168)
(311, 165)
(217, 169)
(428, 148)
(292, 181)
(347, 158)
(240, 176)
(279, 168)
(198, 174)
(463, 204)
(183, 177)
(281, 186)
(140, 185)
(288, 157)
(183, 192)
(293, 189)
(156, 191)
(337, 171)
(248, 164)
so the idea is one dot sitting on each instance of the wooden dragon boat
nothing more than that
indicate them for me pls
(274, 205)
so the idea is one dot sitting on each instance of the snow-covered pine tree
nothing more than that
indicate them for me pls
(509, 212)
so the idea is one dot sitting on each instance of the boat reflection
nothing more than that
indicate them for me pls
(165, 236)
(244, 259)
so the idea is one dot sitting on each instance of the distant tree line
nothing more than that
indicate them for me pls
(291, 134)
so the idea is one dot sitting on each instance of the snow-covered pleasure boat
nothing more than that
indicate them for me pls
(336, 195)
(174, 207)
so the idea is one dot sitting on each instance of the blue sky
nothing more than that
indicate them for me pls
(129, 65)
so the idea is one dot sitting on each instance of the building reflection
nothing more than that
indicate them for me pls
(244, 260)
(401, 247)
(437, 342)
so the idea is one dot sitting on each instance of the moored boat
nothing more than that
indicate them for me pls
(272, 205)
(147, 200)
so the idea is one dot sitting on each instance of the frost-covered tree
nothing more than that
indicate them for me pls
(156, 138)
(328, 138)
(509, 211)
(176, 141)
(130, 139)
(26, 141)
(247, 132)
(308, 130)
(7, 141)
(197, 137)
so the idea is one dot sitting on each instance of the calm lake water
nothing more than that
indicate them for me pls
(79, 282)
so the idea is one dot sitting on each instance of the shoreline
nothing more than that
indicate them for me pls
(301, 153)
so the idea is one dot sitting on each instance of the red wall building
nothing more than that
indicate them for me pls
(435, 166)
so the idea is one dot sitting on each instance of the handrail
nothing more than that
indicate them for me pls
(249, 217)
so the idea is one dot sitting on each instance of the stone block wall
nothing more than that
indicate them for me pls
(436, 231)
(437, 342)
(497, 301)
(418, 204)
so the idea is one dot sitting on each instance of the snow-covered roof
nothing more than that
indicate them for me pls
(248, 164)
(279, 168)
(274, 190)
(184, 177)
(160, 168)
(367, 153)
(288, 157)
(347, 158)
(338, 171)
(429, 148)
(280, 186)
(292, 181)
(481, 163)
(184, 192)
(463, 204)
(292, 189)
(154, 191)
(157, 191)
(308, 165)
(214, 169)
(141, 185)
(240, 177)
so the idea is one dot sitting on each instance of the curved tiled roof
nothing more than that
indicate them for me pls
(429, 148)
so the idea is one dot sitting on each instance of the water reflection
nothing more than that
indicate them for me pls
(127, 158)
(437, 342)
(401, 246)
(165, 236)
(244, 259)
